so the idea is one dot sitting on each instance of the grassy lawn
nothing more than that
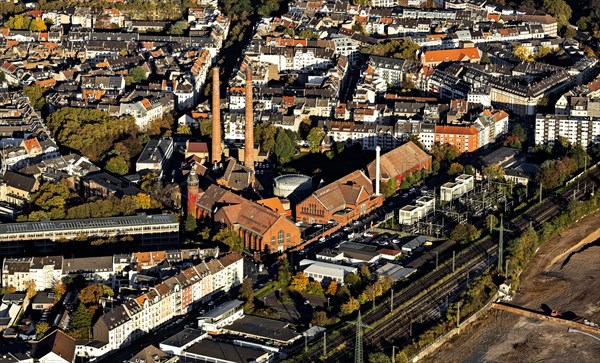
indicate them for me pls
(323, 167)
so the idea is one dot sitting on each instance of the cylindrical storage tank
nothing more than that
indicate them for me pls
(298, 184)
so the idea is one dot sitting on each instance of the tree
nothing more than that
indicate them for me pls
(365, 273)
(8, 290)
(40, 329)
(142, 201)
(464, 233)
(247, 294)
(416, 140)
(560, 10)
(90, 295)
(264, 134)
(206, 127)
(37, 25)
(456, 168)
(493, 171)
(117, 165)
(397, 48)
(469, 169)
(491, 222)
(352, 279)
(349, 306)
(59, 289)
(332, 288)
(93, 132)
(378, 358)
(284, 276)
(523, 53)
(178, 28)
(30, 289)
(284, 148)
(183, 130)
(229, 238)
(315, 288)
(190, 223)
(314, 138)
(299, 281)
(36, 96)
(308, 34)
(81, 322)
(519, 132)
(136, 75)
(401, 358)
(542, 52)
(319, 318)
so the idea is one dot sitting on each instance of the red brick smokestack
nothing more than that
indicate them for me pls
(249, 131)
(215, 155)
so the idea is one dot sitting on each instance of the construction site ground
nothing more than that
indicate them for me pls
(562, 276)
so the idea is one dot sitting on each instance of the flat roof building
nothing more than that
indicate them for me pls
(148, 229)
(323, 271)
(221, 352)
(256, 327)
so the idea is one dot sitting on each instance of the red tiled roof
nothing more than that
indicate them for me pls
(455, 130)
(451, 55)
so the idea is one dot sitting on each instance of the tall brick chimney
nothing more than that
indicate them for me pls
(215, 155)
(249, 130)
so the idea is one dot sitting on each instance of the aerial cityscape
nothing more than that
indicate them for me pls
(381, 181)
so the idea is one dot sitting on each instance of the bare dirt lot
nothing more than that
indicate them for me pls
(562, 276)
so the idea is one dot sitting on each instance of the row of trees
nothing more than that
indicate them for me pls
(24, 22)
(59, 201)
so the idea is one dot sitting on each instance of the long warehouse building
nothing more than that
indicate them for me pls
(147, 230)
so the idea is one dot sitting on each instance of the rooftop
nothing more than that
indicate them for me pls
(91, 223)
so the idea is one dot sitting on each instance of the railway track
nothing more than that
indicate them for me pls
(429, 307)
(473, 260)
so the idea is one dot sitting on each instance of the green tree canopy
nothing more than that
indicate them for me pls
(37, 25)
(136, 75)
(314, 138)
(464, 233)
(493, 171)
(117, 165)
(284, 148)
(284, 275)
(36, 96)
(397, 48)
(91, 132)
(229, 238)
(560, 10)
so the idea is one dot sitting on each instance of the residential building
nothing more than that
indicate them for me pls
(155, 155)
(578, 130)
(128, 322)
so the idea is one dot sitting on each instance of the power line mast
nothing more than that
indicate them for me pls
(501, 244)
(358, 345)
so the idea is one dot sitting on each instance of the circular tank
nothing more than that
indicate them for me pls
(284, 185)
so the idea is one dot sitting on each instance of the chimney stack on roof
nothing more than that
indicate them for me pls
(216, 152)
(249, 131)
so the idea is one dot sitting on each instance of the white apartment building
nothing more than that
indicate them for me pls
(174, 297)
(578, 130)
